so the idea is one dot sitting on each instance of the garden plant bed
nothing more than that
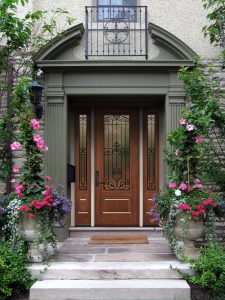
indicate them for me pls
(199, 293)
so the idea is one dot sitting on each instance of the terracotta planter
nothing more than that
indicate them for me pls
(29, 228)
(187, 232)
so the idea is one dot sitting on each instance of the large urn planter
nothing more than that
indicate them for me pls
(187, 231)
(29, 226)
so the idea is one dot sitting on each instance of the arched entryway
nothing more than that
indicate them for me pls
(109, 119)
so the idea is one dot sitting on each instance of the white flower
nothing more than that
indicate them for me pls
(178, 193)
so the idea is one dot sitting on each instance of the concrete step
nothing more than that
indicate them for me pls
(109, 270)
(82, 232)
(111, 290)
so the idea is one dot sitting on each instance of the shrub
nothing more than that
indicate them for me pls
(13, 269)
(210, 270)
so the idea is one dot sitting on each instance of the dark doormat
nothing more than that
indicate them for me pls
(118, 239)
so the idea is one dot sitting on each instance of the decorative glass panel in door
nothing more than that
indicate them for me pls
(83, 167)
(150, 155)
(116, 177)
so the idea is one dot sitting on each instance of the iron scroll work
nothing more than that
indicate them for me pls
(116, 31)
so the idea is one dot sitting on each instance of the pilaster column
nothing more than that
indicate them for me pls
(175, 102)
(56, 136)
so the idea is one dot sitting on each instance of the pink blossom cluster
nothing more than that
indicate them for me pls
(14, 146)
(16, 169)
(189, 127)
(184, 206)
(40, 142)
(172, 184)
(35, 124)
(19, 189)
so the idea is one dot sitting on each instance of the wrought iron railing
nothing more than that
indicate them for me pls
(116, 31)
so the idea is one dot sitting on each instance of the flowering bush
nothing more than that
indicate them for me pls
(37, 199)
(51, 200)
(193, 200)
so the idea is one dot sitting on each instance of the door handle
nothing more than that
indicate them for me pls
(97, 183)
(96, 178)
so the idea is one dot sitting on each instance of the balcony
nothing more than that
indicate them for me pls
(116, 31)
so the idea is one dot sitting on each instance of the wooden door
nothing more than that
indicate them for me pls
(116, 167)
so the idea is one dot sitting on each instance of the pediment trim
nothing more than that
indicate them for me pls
(169, 41)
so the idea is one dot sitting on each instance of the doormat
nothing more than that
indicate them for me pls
(118, 239)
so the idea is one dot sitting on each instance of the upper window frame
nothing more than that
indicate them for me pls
(110, 17)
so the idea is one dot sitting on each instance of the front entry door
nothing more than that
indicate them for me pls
(121, 175)
(116, 167)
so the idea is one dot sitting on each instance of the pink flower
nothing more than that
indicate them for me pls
(37, 138)
(172, 184)
(15, 145)
(183, 186)
(13, 180)
(199, 185)
(195, 213)
(35, 124)
(197, 180)
(24, 207)
(45, 148)
(198, 139)
(16, 169)
(48, 178)
(177, 152)
(180, 206)
(182, 121)
(186, 207)
(31, 215)
(190, 127)
(214, 204)
(40, 144)
(19, 189)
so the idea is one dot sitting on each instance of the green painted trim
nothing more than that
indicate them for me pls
(137, 65)
(61, 41)
(171, 42)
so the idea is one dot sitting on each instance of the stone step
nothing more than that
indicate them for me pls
(109, 270)
(82, 232)
(148, 289)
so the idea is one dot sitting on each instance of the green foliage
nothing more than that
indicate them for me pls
(204, 158)
(216, 29)
(164, 201)
(13, 270)
(210, 270)
(22, 38)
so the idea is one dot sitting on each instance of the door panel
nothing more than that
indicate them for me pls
(151, 159)
(83, 168)
(116, 164)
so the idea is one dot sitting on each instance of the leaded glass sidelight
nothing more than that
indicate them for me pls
(117, 152)
(83, 152)
(151, 152)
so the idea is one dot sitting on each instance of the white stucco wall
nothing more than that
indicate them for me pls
(183, 18)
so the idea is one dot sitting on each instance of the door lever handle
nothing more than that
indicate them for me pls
(97, 183)
(97, 178)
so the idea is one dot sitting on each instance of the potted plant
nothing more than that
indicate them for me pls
(38, 216)
(187, 214)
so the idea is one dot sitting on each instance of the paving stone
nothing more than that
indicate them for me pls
(72, 249)
(133, 257)
(73, 258)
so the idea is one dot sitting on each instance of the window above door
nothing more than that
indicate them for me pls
(117, 9)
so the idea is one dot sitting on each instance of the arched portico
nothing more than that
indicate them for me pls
(94, 88)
